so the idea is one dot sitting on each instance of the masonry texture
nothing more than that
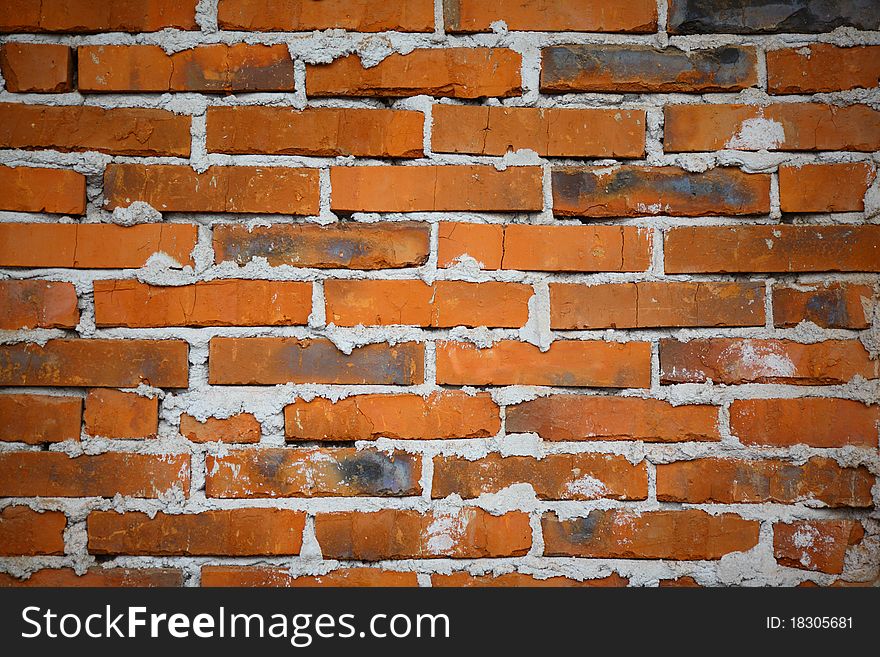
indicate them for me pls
(439, 293)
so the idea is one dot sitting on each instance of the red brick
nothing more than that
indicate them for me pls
(786, 127)
(733, 361)
(442, 304)
(30, 189)
(571, 363)
(38, 304)
(305, 15)
(815, 544)
(316, 131)
(336, 472)
(173, 188)
(85, 16)
(553, 477)
(464, 579)
(695, 249)
(270, 361)
(97, 577)
(55, 474)
(550, 132)
(465, 16)
(435, 188)
(116, 414)
(117, 131)
(403, 534)
(825, 187)
(449, 72)
(679, 582)
(229, 532)
(632, 191)
(444, 415)
(215, 68)
(829, 305)
(36, 419)
(85, 246)
(347, 245)
(262, 576)
(687, 534)
(37, 67)
(816, 422)
(577, 417)
(821, 67)
(91, 363)
(241, 428)
(731, 481)
(27, 532)
(482, 242)
(210, 303)
(644, 305)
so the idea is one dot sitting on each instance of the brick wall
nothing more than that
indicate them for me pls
(404, 292)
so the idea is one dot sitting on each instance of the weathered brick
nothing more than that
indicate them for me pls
(464, 579)
(270, 361)
(97, 577)
(588, 67)
(829, 305)
(632, 191)
(822, 67)
(31, 189)
(553, 477)
(38, 304)
(117, 131)
(55, 474)
(116, 414)
(782, 127)
(317, 131)
(733, 361)
(396, 534)
(85, 16)
(85, 246)
(228, 302)
(305, 15)
(262, 576)
(229, 532)
(467, 16)
(731, 481)
(550, 132)
(24, 531)
(445, 415)
(679, 582)
(768, 16)
(447, 72)
(576, 248)
(441, 304)
(815, 544)
(37, 67)
(241, 428)
(571, 363)
(482, 242)
(173, 188)
(286, 472)
(784, 248)
(577, 417)
(345, 245)
(104, 363)
(825, 187)
(215, 68)
(649, 304)
(814, 421)
(36, 419)
(435, 189)
(687, 534)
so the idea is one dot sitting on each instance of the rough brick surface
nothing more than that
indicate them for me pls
(306, 15)
(116, 414)
(825, 187)
(98, 16)
(822, 68)
(241, 428)
(815, 545)
(36, 419)
(31, 189)
(830, 305)
(24, 531)
(36, 67)
(468, 16)
(38, 304)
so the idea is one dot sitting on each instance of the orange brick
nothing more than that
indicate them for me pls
(215, 68)
(403, 534)
(550, 132)
(317, 131)
(465, 16)
(577, 417)
(816, 422)
(733, 361)
(821, 67)
(85, 16)
(464, 579)
(24, 531)
(36, 419)
(435, 188)
(679, 582)
(444, 415)
(29, 189)
(482, 242)
(241, 428)
(642, 305)
(98, 577)
(825, 187)
(829, 305)
(571, 363)
(38, 304)
(815, 544)
(210, 303)
(115, 414)
(576, 248)
(449, 72)
(37, 67)
(173, 188)
(261, 576)
(442, 304)
(305, 15)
